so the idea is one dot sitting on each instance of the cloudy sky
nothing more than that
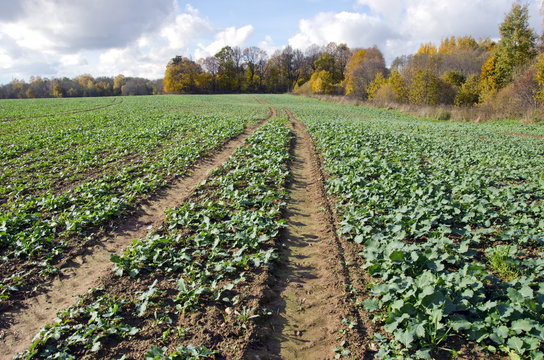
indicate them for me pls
(54, 38)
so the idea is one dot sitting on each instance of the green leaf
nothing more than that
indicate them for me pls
(526, 292)
(522, 325)
(397, 255)
(460, 324)
(405, 337)
(516, 344)
(423, 354)
(371, 304)
(359, 238)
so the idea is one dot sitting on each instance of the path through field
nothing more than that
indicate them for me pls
(84, 272)
(307, 299)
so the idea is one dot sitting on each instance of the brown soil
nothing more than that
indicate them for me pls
(307, 295)
(82, 272)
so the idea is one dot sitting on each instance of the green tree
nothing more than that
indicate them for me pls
(517, 45)
(469, 93)
(227, 75)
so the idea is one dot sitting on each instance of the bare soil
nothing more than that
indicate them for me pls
(19, 323)
(307, 289)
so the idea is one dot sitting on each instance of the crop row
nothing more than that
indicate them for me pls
(37, 228)
(50, 154)
(450, 227)
(199, 270)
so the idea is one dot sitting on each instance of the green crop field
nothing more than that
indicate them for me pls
(440, 225)
(449, 218)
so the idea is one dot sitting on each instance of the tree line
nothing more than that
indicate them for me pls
(80, 86)
(458, 71)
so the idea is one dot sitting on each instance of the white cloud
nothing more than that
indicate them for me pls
(355, 29)
(133, 37)
(70, 26)
(230, 36)
(268, 45)
(73, 60)
(399, 27)
(185, 28)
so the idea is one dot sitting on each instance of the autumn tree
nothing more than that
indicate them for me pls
(322, 82)
(489, 78)
(424, 88)
(210, 64)
(539, 77)
(118, 83)
(454, 78)
(58, 91)
(376, 84)
(362, 68)
(274, 79)
(86, 83)
(326, 62)
(341, 54)
(182, 75)
(399, 87)
(462, 54)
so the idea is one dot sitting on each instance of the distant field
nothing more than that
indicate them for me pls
(440, 227)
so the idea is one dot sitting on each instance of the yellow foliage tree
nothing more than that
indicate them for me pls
(322, 82)
(375, 85)
(424, 89)
(354, 62)
(182, 75)
(118, 83)
(454, 44)
(428, 49)
(361, 70)
(58, 91)
(448, 45)
(399, 87)
(539, 77)
(488, 78)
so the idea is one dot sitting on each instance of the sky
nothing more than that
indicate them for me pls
(56, 38)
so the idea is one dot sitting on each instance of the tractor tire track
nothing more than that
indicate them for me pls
(307, 295)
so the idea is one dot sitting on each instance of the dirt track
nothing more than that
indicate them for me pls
(307, 291)
(85, 271)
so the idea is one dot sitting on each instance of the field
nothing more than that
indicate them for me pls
(268, 226)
